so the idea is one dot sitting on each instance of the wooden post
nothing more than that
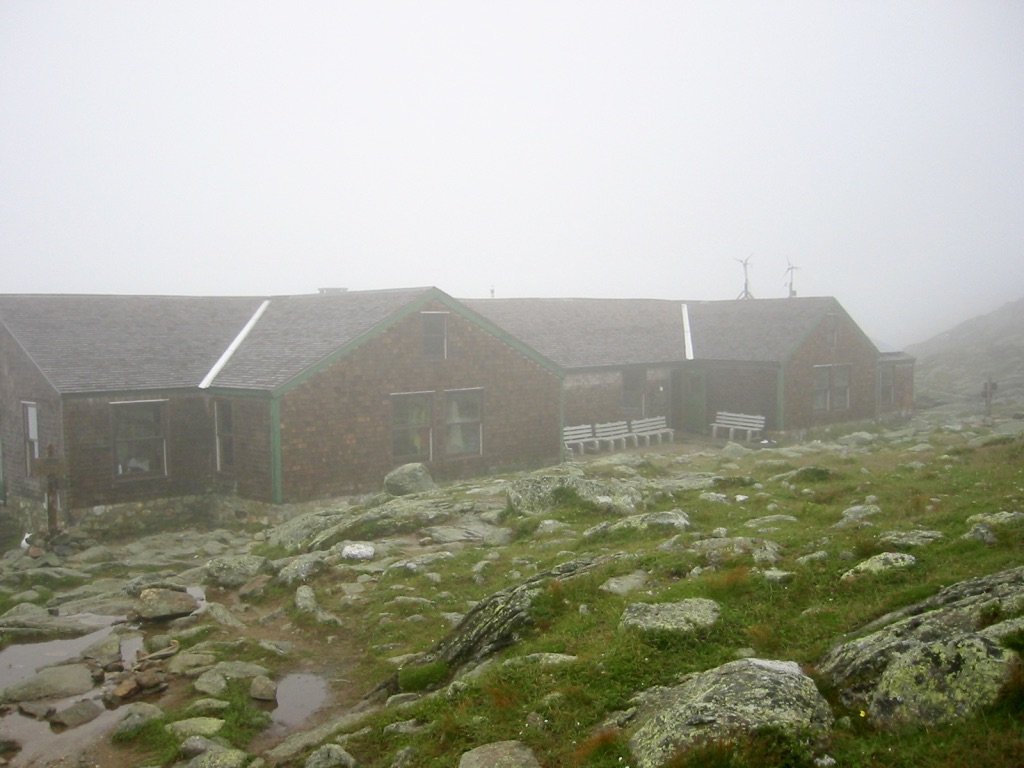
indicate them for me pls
(52, 468)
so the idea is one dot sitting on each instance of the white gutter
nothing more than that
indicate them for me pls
(687, 338)
(233, 346)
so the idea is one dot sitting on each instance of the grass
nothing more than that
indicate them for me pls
(566, 712)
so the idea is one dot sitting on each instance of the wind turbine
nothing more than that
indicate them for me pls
(746, 281)
(790, 269)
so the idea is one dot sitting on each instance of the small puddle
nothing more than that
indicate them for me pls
(19, 662)
(299, 696)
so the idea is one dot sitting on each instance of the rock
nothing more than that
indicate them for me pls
(262, 688)
(358, 551)
(540, 492)
(914, 638)
(58, 682)
(474, 531)
(716, 550)
(857, 515)
(136, 715)
(942, 681)
(301, 568)
(330, 756)
(909, 539)
(672, 519)
(683, 617)
(735, 451)
(623, 585)
(79, 713)
(221, 758)
(500, 754)
(408, 478)
(194, 726)
(295, 534)
(770, 521)
(886, 561)
(729, 701)
(996, 518)
(232, 571)
(163, 604)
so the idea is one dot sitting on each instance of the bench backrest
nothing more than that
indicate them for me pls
(611, 429)
(577, 432)
(649, 424)
(726, 419)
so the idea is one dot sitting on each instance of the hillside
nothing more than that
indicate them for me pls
(954, 365)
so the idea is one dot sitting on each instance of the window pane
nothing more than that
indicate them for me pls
(410, 421)
(138, 439)
(464, 428)
(821, 387)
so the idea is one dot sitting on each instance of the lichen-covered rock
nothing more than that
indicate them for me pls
(408, 478)
(330, 756)
(736, 698)
(233, 571)
(161, 604)
(886, 561)
(672, 519)
(540, 492)
(682, 617)
(941, 681)
(500, 754)
(716, 550)
(968, 615)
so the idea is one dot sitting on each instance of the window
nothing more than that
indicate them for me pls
(435, 335)
(30, 412)
(831, 387)
(463, 419)
(411, 438)
(140, 449)
(225, 437)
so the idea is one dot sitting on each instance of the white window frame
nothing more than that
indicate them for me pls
(449, 423)
(30, 422)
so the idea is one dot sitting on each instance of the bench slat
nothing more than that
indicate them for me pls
(750, 423)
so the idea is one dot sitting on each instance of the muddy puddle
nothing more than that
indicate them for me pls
(40, 743)
(299, 697)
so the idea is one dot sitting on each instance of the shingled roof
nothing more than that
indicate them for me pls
(594, 333)
(762, 330)
(590, 333)
(296, 333)
(98, 343)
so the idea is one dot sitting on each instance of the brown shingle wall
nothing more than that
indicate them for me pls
(336, 426)
(850, 348)
(742, 388)
(251, 428)
(597, 396)
(21, 381)
(92, 479)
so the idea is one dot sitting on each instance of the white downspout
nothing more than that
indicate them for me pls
(233, 346)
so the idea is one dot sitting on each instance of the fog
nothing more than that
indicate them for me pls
(609, 149)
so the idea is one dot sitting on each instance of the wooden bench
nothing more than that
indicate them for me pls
(734, 422)
(614, 432)
(579, 437)
(655, 426)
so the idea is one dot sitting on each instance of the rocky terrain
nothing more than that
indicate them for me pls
(953, 366)
(620, 609)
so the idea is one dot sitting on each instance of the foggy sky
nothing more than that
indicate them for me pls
(608, 149)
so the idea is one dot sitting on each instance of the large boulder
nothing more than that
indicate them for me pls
(57, 682)
(232, 571)
(408, 478)
(161, 604)
(727, 702)
(682, 617)
(935, 660)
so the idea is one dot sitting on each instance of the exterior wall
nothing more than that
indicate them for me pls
(741, 388)
(93, 477)
(335, 426)
(20, 382)
(836, 341)
(600, 395)
(895, 386)
(251, 475)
